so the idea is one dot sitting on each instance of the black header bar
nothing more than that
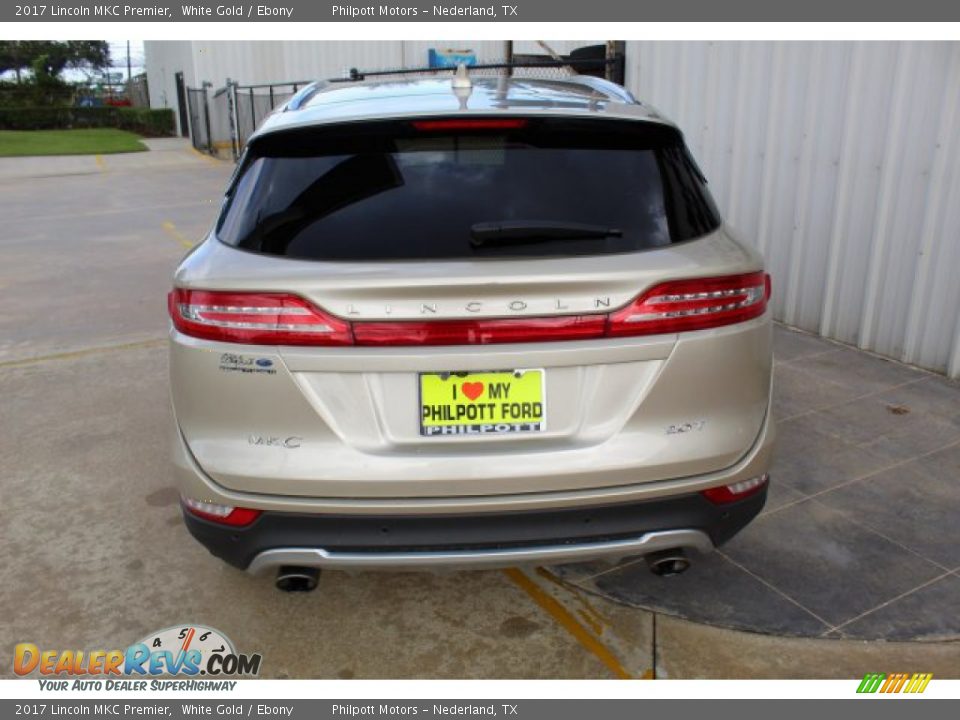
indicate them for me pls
(483, 11)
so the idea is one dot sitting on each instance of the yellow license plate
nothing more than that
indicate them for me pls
(480, 403)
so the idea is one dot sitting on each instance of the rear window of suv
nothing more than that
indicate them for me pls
(457, 188)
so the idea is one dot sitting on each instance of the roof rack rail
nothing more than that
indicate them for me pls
(608, 88)
(301, 96)
(601, 85)
(577, 64)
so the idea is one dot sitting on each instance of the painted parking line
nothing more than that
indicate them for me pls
(590, 642)
(172, 231)
(101, 163)
(71, 354)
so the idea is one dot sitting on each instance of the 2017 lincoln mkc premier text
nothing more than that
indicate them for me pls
(479, 322)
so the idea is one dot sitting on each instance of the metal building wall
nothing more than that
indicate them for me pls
(841, 162)
(163, 60)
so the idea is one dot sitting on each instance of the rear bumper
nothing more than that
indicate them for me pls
(477, 540)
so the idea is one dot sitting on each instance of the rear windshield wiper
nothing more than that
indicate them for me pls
(530, 231)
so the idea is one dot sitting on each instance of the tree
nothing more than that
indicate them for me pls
(47, 58)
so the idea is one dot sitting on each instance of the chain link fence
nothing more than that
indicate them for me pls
(237, 110)
(198, 108)
(137, 91)
(254, 102)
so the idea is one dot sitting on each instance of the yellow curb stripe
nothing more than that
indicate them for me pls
(208, 158)
(568, 622)
(595, 618)
(71, 354)
(172, 231)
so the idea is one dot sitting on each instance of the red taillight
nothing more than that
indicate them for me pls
(724, 494)
(694, 304)
(220, 514)
(277, 319)
(255, 318)
(480, 332)
(469, 124)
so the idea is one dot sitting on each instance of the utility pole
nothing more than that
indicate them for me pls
(129, 72)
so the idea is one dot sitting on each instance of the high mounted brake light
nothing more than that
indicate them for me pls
(280, 319)
(469, 124)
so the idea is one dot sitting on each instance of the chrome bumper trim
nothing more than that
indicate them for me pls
(540, 554)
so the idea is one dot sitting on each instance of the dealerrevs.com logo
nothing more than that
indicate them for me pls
(179, 651)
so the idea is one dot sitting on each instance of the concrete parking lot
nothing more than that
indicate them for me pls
(93, 550)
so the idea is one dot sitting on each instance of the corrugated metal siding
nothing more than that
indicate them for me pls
(163, 60)
(841, 162)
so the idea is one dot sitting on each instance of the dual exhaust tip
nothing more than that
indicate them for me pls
(292, 578)
(667, 563)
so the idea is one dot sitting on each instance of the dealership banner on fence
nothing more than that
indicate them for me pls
(483, 11)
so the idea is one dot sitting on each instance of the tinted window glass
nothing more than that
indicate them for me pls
(388, 191)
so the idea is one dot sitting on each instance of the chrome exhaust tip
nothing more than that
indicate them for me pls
(668, 563)
(297, 579)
